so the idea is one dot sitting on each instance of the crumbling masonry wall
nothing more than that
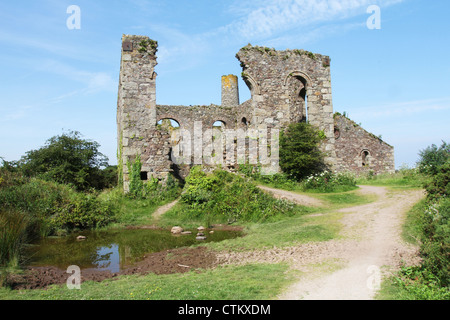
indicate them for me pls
(360, 151)
(286, 86)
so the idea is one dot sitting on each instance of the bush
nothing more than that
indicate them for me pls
(414, 283)
(38, 199)
(83, 211)
(439, 186)
(431, 280)
(435, 248)
(300, 156)
(151, 189)
(68, 159)
(327, 181)
(225, 197)
(433, 157)
(49, 205)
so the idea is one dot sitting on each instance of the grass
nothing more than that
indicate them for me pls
(412, 228)
(337, 200)
(135, 212)
(403, 179)
(13, 225)
(416, 282)
(307, 225)
(252, 282)
(222, 283)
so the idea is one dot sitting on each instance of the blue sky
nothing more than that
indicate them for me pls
(395, 81)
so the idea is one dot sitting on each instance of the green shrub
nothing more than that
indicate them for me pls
(439, 186)
(68, 159)
(415, 283)
(83, 211)
(327, 181)
(300, 156)
(432, 157)
(50, 206)
(151, 189)
(221, 196)
(39, 200)
(199, 187)
(435, 248)
(279, 180)
(136, 185)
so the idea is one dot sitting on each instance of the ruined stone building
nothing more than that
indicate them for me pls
(286, 86)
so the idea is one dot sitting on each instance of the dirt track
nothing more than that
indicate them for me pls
(350, 268)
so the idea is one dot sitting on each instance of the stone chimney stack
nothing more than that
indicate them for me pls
(230, 91)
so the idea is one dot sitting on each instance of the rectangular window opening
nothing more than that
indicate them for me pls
(144, 175)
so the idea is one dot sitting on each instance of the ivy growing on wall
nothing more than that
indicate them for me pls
(136, 184)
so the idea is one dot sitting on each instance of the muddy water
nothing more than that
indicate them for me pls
(112, 250)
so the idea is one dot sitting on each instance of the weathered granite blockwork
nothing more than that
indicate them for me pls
(282, 81)
(286, 86)
(136, 110)
(360, 151)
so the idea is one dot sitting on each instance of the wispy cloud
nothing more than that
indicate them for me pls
(92, 81)
(274, 17)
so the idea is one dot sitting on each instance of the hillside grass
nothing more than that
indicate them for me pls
(222, 283)
(402, 179)
(292, 225)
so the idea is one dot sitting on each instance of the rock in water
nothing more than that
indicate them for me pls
(176, 230)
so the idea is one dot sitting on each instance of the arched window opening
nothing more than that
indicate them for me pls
(168, 123)
(303, 102)
(244, 121)
(219, 124)
(296, 84)
(365, 158)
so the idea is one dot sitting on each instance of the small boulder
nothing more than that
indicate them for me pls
(201, 228)
(186, 232)
(79, 238)
(200, 234)
(200, 238)
(176, 230)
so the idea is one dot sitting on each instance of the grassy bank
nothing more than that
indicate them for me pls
(428, 226)
(403, 178)
(223, 283)
(280, 224)
(429, 280)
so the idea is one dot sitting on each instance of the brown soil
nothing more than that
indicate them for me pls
(165, 262)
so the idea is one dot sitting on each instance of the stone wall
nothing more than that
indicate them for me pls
(282, 81)
(136, 110)
(230, 91)
(360, 151)
(286, 87)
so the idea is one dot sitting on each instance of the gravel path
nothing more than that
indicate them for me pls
(351, 267)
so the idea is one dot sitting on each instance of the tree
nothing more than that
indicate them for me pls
(433, 157)
(67, 159)
(299, 150)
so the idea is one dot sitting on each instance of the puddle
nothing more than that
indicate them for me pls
(112, 250)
